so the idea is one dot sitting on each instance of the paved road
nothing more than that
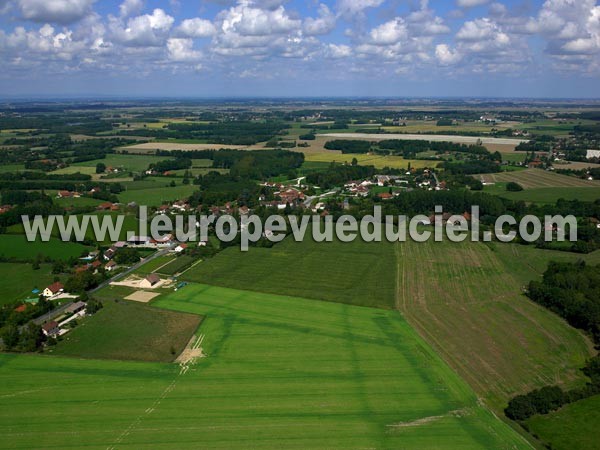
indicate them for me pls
(51, 314)
(131, 269)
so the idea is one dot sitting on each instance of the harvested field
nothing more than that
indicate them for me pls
(537, 178)
(152, 146)
(428, 137)
(467, 302)
(142, 296)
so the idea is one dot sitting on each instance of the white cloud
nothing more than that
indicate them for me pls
(55, 11)
(131, 7)
(143, 31)
(446, 56)
(355, 7)
(338, 51)
(470, 3)
(322, 24)
(181, 50)
(196, 28)
(390, 32)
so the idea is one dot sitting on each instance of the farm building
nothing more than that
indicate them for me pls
(53, 289)
(150, 281)
(75, 308)
(51, 329)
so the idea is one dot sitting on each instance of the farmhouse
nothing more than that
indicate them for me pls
(51, 329)
(53, 289)
(150, 281)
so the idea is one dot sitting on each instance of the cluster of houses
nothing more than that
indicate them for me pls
(285, 195)
(75, 194)
(55, 328)
(362, 188)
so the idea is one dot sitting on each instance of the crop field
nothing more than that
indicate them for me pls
(150, 147)
(551, 195)
(129, 331)
(466, 301)
(134, 163)
(177, 265)
(156, 196)
(359, 273)
(379, 161)
(23, 280)
(573, 427)
(536, 178)
(16, 246)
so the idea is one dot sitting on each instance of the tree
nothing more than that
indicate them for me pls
(127, 256)
(513, 187)
(354, 162)
(100, 168)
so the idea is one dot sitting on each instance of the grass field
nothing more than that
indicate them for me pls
(177, 265)
(360, 273)
(21, 279)
(466, 300)
(129, 331)
(135, 163)
(17, 246)
(551, 195)
(573, 427)
(280, 373)
(155, 196)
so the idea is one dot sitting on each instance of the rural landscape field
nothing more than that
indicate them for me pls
(269, 224)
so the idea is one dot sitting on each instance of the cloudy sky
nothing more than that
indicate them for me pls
(504, 48)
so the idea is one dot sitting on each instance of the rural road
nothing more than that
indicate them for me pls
(129, 270)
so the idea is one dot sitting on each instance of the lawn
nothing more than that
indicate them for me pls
(359, 273)
(16, 246)
(129, 331)
(573, 427)
(21, 279)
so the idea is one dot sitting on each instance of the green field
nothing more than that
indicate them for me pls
(359, 273)
(551, 195)
(135, 163)
(573, 427)
(157, 195)
(129, 331)
(463, 298)
(467, 301)
(21, 279)
(16, 246)
(281, 372)
(178, 265)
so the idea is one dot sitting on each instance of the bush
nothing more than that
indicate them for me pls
(513, 187)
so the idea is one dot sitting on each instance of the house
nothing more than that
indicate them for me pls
(385, 196)
(110, 266)
(150, 281)
(21, 308)
(106, 206)
(5, 208)
(180, 248)
(51, 329)
(110, 253)
(75, 308)
(96, 264)
(244, 210)
(64, 194)
(53, 289)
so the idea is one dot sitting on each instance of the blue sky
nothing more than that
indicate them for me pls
(222, 48)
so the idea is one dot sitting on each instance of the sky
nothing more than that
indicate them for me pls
(313, 48)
